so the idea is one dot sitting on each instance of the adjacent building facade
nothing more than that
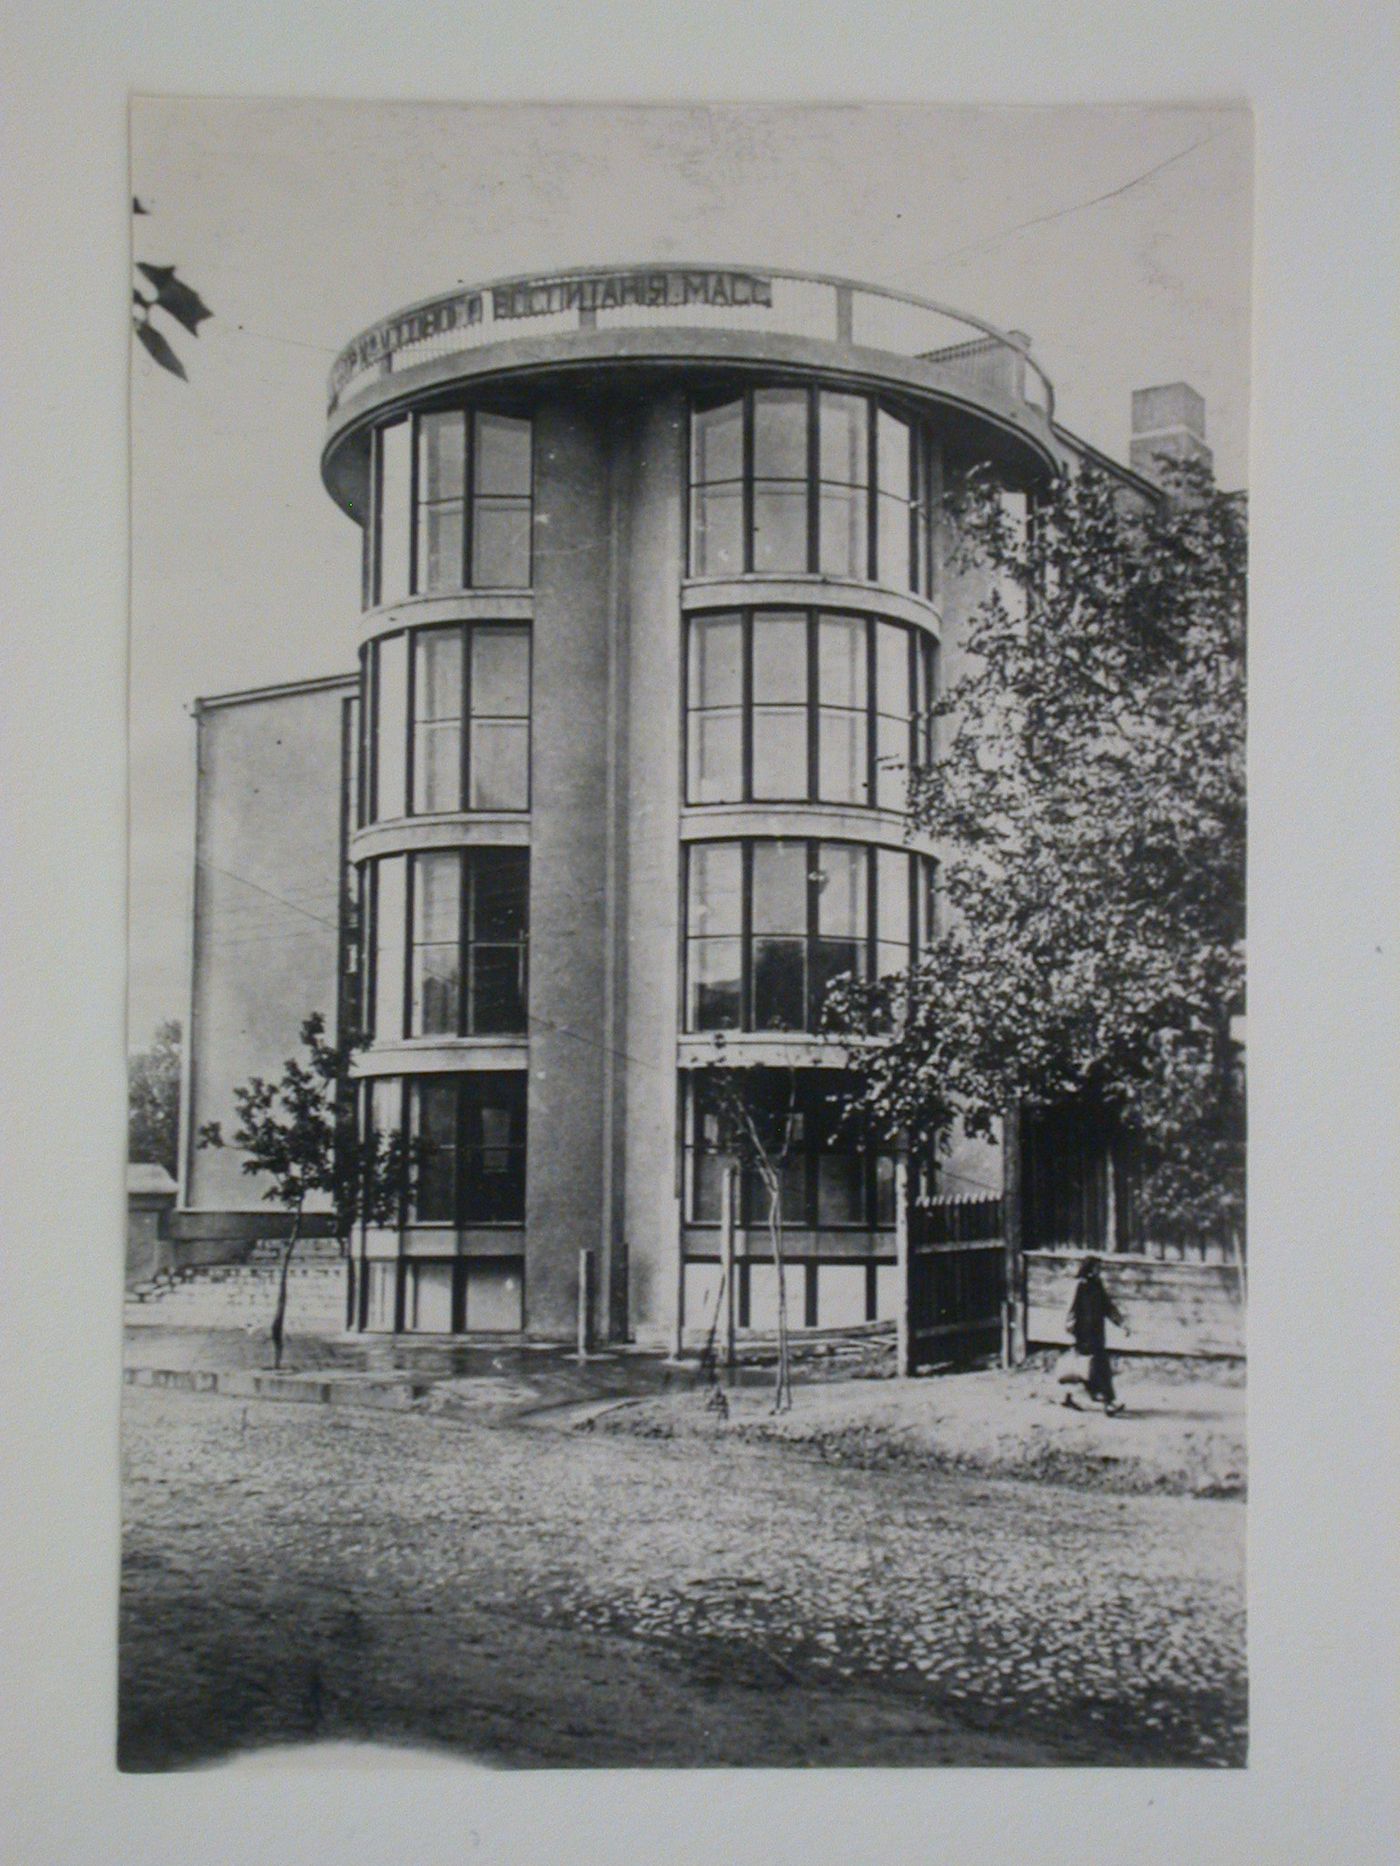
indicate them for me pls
(654, 607)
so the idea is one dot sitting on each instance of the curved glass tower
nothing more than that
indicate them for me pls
(654, 608)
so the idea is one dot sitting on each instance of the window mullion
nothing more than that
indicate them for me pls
(747, 490)
(370, 941)
(872, 491)
(410, 721)
(872, 915)
(687, 515)
(376, 504)
(746, 703)
(468, 496)
(813, 709)
(372, 681)
(813, 487)
(465, 634)
(404, 1139)
(872, 711)
(911, 711)
(811, 1142)
(465, 913)
(414, 446)
(746, 934)
(409, 949)
(461, 1116)
(912, 574)
(810, 944)
(372, 732)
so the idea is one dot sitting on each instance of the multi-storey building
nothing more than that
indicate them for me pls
(654, 605)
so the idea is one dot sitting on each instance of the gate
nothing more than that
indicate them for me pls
(957, 1281)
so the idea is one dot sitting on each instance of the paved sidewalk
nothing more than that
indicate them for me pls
(393, 1372)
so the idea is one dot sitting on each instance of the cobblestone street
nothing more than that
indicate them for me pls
(524, 1596)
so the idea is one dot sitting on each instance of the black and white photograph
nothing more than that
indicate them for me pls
(698, 996)
(687, 994)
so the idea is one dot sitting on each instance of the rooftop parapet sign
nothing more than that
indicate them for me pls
(801, 304)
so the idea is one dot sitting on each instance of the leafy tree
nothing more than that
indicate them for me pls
(300, 1134)
(153, 1100)
(1089, 798)
(758, 1132)
(159, 289)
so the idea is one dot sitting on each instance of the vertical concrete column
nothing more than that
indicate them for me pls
(650, 586)
(568, 880)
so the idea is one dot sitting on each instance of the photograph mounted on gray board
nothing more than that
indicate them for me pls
(687, 986)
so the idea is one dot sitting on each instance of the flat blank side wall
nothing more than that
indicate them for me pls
(267, 884)
(1172, 1308)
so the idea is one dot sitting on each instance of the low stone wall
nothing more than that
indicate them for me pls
(244, 1296)
(1172, 1308)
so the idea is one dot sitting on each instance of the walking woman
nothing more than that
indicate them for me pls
(1090, 1311)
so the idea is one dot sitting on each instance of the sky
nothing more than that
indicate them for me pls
(1119, 238)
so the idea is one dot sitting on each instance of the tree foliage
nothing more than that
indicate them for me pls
(1089, 799)
(153, 1100)
(157, 288)
(300, 1135)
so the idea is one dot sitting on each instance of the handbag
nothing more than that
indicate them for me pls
(1072, 1368)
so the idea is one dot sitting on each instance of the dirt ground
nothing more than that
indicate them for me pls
(512, 1594)
(1182, 1430)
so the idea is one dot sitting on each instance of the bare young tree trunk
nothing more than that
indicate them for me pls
(279, 1319)
(782, 1388)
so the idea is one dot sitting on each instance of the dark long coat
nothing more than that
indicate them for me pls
(1089, 1312)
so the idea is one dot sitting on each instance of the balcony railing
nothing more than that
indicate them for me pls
(798, 304)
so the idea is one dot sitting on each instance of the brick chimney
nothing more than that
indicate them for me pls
(1169, 419)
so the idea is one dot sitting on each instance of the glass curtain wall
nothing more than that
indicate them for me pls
(451, 505)
(772, 922)
(791, 481)
(793, 705)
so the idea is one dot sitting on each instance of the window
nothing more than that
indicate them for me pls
(780, 478)
(795, 481)
(442, 500)
(493, 1149)
(451, 505)
(393, 481)
(498, 760)
(844, 504)
(388, 904)
(778, 876)
(834, 1175)
(779, 704)
(432, 1104)
(717, 490)
(467, 745)
(449, 942)
(895, 703)
(714, 945)
(843, 702)
(894, 502)
(389, 661)
(434, 1003)
(770, 923)
(715, 736)
(437, 720)
(791, 705)
(469, 1134)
